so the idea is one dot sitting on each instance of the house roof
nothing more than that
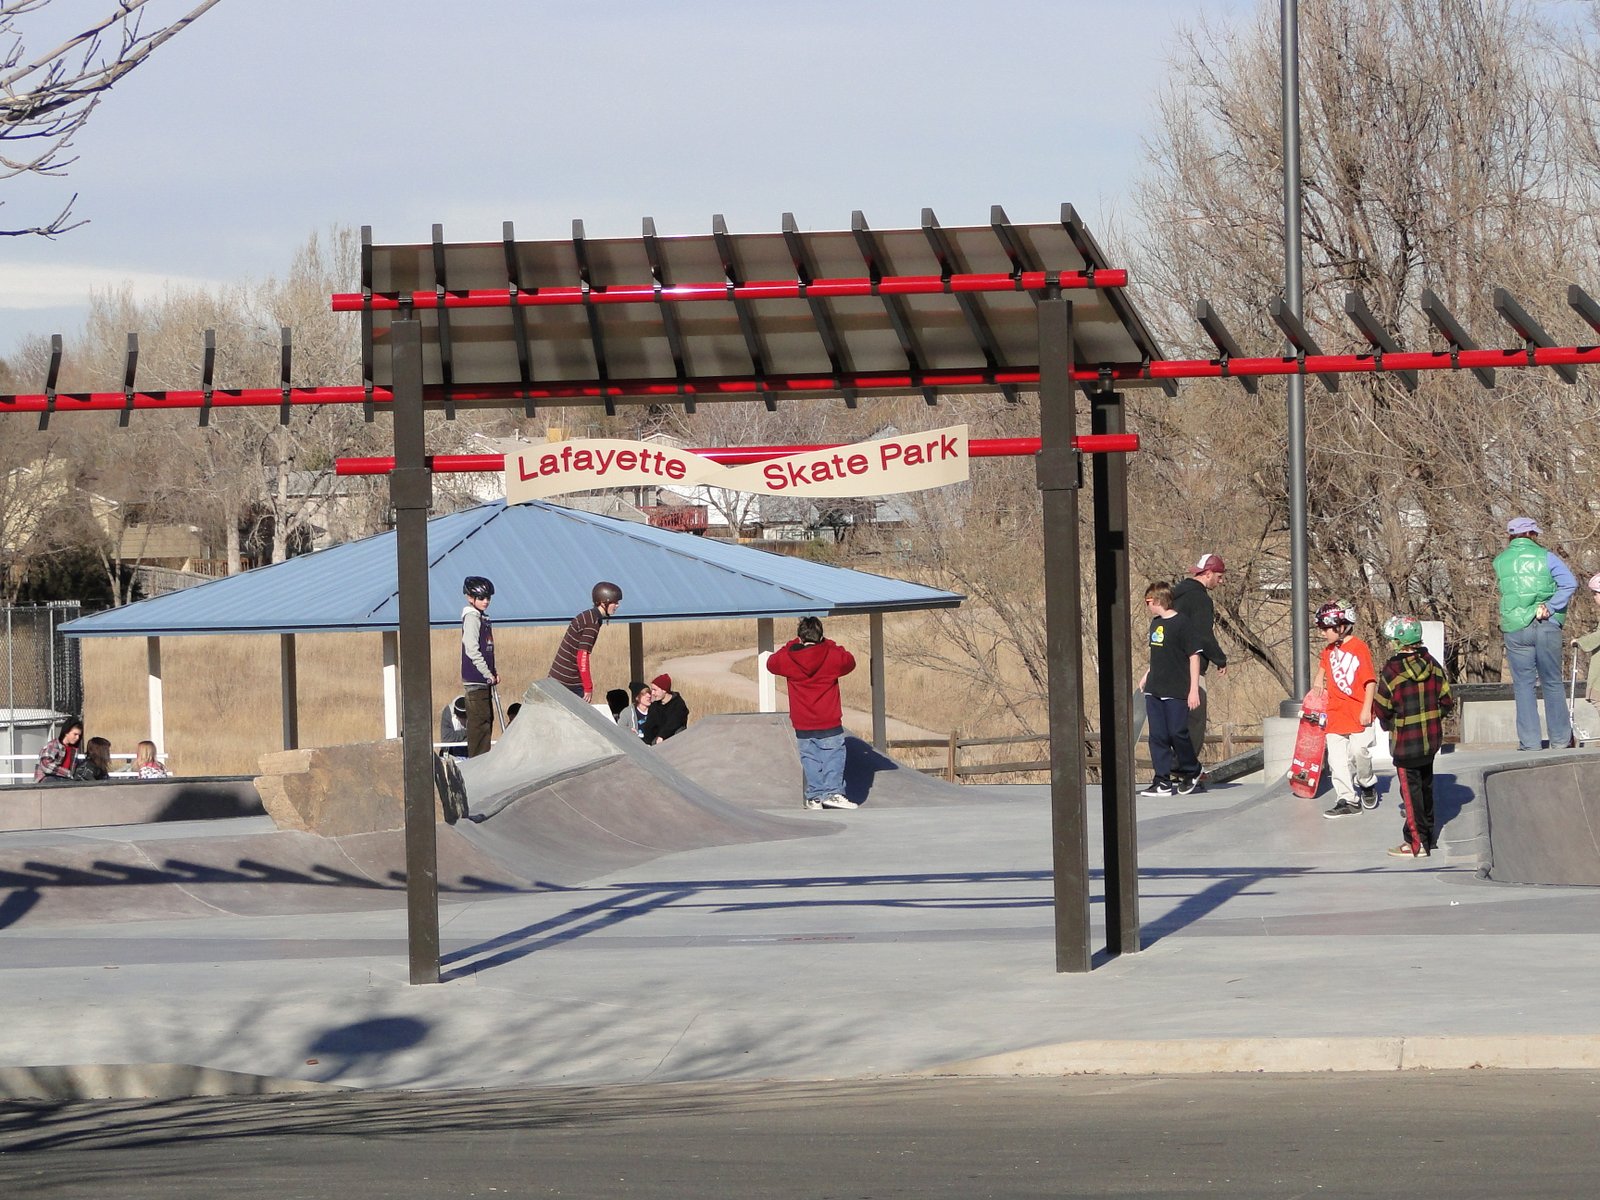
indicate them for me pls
(543, 559)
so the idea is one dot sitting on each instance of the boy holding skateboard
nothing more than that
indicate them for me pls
(1412, 698)
(1171, 686)
(1346, 669)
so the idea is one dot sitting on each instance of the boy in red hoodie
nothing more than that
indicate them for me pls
(813, 665)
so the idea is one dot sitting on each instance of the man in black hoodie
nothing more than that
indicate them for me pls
(1192, 598)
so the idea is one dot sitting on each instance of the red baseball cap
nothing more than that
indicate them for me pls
(1209, 562)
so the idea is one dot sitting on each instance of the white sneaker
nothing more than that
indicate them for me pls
(813, 802)
(838, 801)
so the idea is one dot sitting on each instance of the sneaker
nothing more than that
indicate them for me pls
(813, 802)
(1368, 797)
(838, 800)
(1404, 850)
(1187, 787)
(1158, 788)
(1342, 809)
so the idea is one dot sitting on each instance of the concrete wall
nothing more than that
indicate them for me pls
(69, 805)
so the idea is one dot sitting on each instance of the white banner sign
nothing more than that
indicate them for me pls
(907, 463)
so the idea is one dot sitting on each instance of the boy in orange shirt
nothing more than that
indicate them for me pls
(1346, 669)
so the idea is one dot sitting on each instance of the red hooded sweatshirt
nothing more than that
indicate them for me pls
(813, 673)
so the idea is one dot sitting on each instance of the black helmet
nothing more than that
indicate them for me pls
(606, 593)
(477, 587)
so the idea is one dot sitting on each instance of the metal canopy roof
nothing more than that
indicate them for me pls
(594, 320)
(543, 560)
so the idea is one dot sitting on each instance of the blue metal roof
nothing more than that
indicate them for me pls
(543, 560)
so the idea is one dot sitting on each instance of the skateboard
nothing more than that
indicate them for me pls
(1305, 768)
(451, 787)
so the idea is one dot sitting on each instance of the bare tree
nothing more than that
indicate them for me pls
(45, 99)
(1433, 157)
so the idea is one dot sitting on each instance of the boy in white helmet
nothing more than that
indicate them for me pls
(1346, 669)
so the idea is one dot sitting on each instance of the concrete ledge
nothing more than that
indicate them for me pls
(1237, 1055)
(72, 805)
(142, 1081)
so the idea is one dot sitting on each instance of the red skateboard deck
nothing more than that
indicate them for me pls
(1305, 768)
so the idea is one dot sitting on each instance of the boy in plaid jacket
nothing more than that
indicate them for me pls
(1412, 698)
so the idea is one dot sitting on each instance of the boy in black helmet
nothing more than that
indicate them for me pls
(570, 668)
(478, 677)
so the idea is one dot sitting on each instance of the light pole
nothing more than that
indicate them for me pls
(1293, 298)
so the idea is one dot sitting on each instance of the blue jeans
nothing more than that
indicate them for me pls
(822, 760)
(1535, 653)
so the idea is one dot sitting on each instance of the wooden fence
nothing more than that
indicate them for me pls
(1230, 741)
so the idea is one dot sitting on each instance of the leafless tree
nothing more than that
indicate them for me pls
(45, 99)
(1433, 157)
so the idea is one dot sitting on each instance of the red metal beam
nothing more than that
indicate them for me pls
(454, 464)
(756, 289)
(899, 382)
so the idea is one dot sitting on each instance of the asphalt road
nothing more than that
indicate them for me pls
(1416, 1135)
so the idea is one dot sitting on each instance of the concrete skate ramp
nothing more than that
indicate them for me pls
(1544, 821)
(566, 795)
(750, 759)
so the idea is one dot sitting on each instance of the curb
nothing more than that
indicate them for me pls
(1187, 1056)
(142, 1081)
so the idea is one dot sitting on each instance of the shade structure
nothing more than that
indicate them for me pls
(736, 315)
(543, 559)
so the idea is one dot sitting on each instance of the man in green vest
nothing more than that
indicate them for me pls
(1535, 587)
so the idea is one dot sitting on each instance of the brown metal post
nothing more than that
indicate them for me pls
(880, 717)
(411, 492)
(1059, 474)
(1113, 609)
(635, 653)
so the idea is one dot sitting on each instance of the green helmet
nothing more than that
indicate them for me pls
(1403, 631)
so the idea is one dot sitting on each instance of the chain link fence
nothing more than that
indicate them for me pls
(41, 677)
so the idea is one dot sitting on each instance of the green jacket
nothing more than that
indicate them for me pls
(1523, 571)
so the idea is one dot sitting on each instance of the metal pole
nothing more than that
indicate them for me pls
(1114, 629)
(411, 491)
(1057, 470)
(1293, 296)
(880, 718)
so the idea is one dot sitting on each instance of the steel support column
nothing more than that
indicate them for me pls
(880, 718)
(1058, 468)
(411, 492)
(766, 681)
(1114, 642)
(635, 654)
(289, 691)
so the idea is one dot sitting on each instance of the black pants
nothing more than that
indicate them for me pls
(1197, 725)
(480, 720)
(1416, 802)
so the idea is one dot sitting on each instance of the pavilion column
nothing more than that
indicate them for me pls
(158, 707)
(391, 683)
(635, 652)
(289, 681)
(880, 719)
(766, 681)
(1058, 469)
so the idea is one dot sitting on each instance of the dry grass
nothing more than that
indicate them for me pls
(223, 709)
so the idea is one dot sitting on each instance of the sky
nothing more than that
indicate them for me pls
(269, 120)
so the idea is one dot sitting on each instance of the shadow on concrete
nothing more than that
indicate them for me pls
(624, 902)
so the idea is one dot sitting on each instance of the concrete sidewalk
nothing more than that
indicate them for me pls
(916, 939)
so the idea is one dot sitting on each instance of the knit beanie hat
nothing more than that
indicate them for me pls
(662, 681)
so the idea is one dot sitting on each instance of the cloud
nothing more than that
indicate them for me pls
(58, 285)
